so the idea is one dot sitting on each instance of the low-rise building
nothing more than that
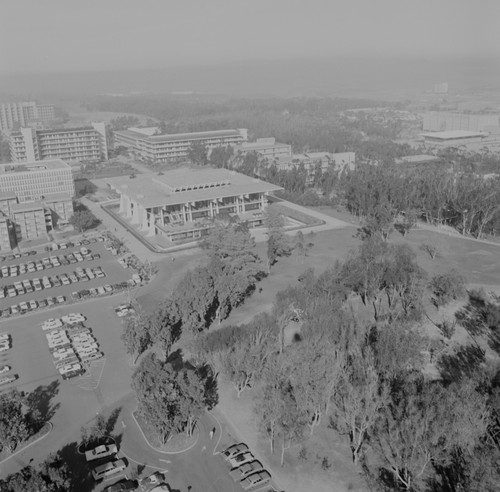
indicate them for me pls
(266, 147)
(181, 203)
(163, 148)
(453, 138)
(87, 144)
(339, 162)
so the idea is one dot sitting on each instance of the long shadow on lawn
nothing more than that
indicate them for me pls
(40, 400)
(463, 363)
(79, 470)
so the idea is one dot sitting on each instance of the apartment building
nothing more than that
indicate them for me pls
(266, 147)
(87, 144)
(34, 180)
(21, 114)
(163, 148)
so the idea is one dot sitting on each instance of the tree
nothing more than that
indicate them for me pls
(447, 287)
(359, 399)
(136, 336)
(221, 157)
(164, 326)
(302, 246)
(198, 154)
(13, 422)
(83, 220)
(95, 434)
(278, 243)
(423, 424)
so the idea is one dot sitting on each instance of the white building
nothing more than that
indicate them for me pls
(266, 147)
(163, 148)
(19, 114)
(87, 144)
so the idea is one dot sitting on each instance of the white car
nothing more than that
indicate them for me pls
(73, 318)
(55, 334)
(63, 353)
(33, 304)
(69, 367)
(4, 345)
(7, 380)
(52, 324)
(58, 343)
(91, 356)
(4, 336)
(101, 452)
(5, 369)
(72, 359)
(23, 306)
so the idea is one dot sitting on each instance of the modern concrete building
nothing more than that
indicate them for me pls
(34, 180)
(266, 147)
(440, 121)
(180, 204)
(20, 114)
(87, 144)
(30, 220)
(163, 148)
(454, 138)
(5, 236)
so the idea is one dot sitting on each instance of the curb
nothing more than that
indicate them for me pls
(51, 426)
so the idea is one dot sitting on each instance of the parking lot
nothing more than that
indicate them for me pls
(114, 273)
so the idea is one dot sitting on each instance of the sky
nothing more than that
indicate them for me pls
(74, 35)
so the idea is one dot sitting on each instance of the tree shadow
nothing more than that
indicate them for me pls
(211, 393)
(40, 400)
(463, 363)
(112, 420)
(176, 360)
(78, 468)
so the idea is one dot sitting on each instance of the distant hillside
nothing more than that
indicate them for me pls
(340, 76)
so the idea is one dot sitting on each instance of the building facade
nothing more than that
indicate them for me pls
(20, 114)
(311, 161)
(163, 148)
(30, 220)
(5, 236)
(266, 147)
(34, 180)
(86, 144)
(180, 204)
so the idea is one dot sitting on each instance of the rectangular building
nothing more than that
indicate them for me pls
(441, 121)
(456, 138)
(163, 148)
(266, 147)
(87, 144)
(324, 161)
(20, 114)
(180, 204)
(5, 237)
(33, 180)
(30, 221)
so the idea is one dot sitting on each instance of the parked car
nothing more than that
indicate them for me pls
(5, 369)
(240, 459)
(4, 345)
(245, 469)
(8, 379)
(4, 336)
(234, 450)
(73, 318)
(123, 486)
(101, 452)
(259, 478)
(60, 299)
(109, 468)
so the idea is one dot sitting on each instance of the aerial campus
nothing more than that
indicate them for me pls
(270, 274)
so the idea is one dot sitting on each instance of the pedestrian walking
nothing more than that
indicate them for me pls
(212, 433)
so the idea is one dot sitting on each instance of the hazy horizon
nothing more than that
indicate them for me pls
(62, 36)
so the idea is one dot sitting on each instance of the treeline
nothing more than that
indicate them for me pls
(465, 201)
(312, 362)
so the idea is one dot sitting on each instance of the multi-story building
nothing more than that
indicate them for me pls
(266, 147)
(30, 221)
(20, 114)
(163, 148)
(441, 121)
(5, 237)
(180, 204)
(35, 180)
(86, 144)
(311, 161)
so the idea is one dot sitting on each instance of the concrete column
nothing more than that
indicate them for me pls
(190, 213)
(184, 213)
(122, 203)
(136, 219)
(152, 220)
(263, 201)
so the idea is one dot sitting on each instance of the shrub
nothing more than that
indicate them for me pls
(447, 287)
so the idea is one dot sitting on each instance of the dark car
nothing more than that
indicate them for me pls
(122, 486)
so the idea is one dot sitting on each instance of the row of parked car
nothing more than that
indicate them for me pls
(244, 467)
(27, 286)
(47, 262)
(27, 306)
(71, 343)
(6, 344)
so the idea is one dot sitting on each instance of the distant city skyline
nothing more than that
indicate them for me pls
(61, 35)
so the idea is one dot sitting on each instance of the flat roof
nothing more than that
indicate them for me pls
(26, 206)
(452, 134)
(7, 195)
(20, 167)
(152, 190)
(419, 158)
(56, 197)
(179, 136)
